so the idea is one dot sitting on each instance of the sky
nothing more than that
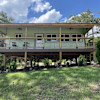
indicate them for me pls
(47, 11)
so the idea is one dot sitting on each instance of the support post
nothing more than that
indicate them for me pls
(60, 37)
(43, 41)
(60, 57)
(31, 60)
(94, 56)
(4, 60)
(9, 43)
(25, 59)
(76, 61)
(25, 38)
(85, 41)
(94, 53)
(86, 58)
(76, 42)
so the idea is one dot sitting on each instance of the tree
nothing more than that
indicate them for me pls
(4, 18)
(84, 17)
(98, 51)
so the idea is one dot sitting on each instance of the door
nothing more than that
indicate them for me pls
(39, 41)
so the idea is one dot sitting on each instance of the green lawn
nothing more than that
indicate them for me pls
(75, 83)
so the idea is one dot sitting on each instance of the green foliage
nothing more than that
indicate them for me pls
(13, 66)
(81, 60)
(98, 51)
(46, 62)
(4, 18)
(97, 39)
(84, 17)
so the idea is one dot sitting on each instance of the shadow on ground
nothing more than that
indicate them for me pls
(74, 83)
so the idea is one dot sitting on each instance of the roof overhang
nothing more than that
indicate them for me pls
(68, 25)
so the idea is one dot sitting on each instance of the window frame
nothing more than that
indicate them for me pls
(18, 34)
(77, 36)
(51, 40)
(65, 38)
(80, 39)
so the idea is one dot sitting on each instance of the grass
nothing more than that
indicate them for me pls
(75, 83)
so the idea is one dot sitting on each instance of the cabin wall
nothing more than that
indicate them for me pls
(32, 31)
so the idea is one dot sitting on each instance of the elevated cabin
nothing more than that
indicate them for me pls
(54, 41)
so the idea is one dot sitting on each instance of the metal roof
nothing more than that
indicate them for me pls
(68, 25)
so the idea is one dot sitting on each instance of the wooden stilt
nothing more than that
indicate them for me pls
(86, 58)
(76, 60)
(76, 42)
(60, 57)
(31, 60)
(25, 59)
(4, 60)
(94, 56)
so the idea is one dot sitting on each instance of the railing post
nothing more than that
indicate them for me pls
(43, 42)
(25, 58)
(85, 41)
(60, 56)
(9, 43)
(60, 38)
(76, 42)
(4, 60)
(26, 38)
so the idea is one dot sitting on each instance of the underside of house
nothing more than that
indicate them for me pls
(54, 41)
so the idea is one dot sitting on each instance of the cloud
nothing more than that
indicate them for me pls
(19, 9)
(49, 17)
(40, 6)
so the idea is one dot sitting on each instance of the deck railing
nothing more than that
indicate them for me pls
(30, 43)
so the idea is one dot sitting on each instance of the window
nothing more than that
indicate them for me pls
(40, 37)
(80, 40)
(18, 35)
(73, 36)
(14, 44)
(50, 36)
(66, 37)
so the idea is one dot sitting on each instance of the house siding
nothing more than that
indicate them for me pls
(32, 31)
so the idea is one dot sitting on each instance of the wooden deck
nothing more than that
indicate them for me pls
(45, 50)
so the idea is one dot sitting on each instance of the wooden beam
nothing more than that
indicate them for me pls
(43, 41)
(76, 42)
(60, 56)
(4, 60)
(9, 43)
(60, 37)
(26, 37)
(94, 56)
(84, 41)
(25, 59)
(31, 59)
(45, 38)
(76, 60)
